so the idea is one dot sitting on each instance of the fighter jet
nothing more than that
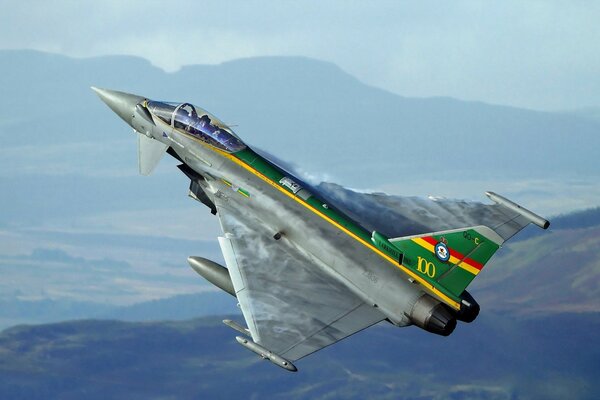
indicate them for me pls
(305, 273)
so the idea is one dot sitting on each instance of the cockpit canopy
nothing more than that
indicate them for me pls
(198, 123)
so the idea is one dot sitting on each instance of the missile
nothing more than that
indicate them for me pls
(212, 272)
(532, 217)
(266, 354)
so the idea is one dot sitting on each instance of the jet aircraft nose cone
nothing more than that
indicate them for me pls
(123, 104)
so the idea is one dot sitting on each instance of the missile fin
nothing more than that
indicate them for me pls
(237, 327)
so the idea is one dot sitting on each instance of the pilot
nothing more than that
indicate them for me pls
(206, 125)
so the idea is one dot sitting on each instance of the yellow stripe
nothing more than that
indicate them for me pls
(453, 260)
(423, 282)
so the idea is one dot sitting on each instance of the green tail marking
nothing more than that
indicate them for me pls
(449, 260)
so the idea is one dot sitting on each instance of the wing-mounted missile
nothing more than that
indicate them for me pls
(213, 272)
(511, 205)
(197, 191)
(266, 354)
(257, 348)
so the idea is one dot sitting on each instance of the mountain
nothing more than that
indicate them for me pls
(549, 274)
(181, 307)
(586, 218)
(14, 311)
(578, 219)
(592, 113)
(546, 272)
(496, 357)
(306, 111)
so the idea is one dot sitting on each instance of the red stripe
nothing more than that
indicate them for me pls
(432, 241)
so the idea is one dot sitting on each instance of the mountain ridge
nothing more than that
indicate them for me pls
(540, 358)
(303, 102)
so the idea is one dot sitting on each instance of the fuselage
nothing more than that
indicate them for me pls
(235, 172)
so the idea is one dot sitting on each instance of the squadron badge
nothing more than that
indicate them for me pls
(441, 251)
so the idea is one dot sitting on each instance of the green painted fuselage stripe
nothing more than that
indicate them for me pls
(273, 172)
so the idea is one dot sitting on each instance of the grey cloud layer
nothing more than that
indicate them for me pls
(535, 54)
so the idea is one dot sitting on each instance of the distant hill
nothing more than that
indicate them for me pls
(547, 274)
(574, 220)
(180, 307)
(496, 357)
(307, 110)
(577, 219)
(15, 312)
(592, 113)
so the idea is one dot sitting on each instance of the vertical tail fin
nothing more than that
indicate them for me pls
(450, 259)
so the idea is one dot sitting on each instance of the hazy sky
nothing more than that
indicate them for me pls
(536, 54)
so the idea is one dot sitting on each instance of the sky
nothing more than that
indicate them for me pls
(536, 54)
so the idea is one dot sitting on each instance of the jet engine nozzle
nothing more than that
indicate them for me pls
(469, 308)
(433, 316)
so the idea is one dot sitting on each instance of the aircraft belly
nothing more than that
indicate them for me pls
(364, 272)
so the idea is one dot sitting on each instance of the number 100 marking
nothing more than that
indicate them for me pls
(426, 267)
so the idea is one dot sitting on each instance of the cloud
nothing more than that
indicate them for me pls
(533, 54)
(60, 256)
(164, 223)
(546, 197)
(55, 273)
(399, 216)
(80, 158)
